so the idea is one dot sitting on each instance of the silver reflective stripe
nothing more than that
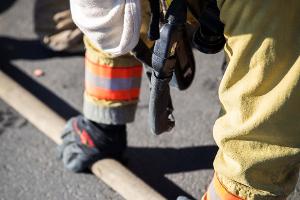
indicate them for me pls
(212, 192)
(112, 83)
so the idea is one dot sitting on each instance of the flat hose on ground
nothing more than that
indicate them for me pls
(51, 124)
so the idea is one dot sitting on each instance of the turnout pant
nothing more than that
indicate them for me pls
(112, 85)
(258, 131)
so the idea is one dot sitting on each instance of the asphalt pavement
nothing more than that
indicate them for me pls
(175, 163)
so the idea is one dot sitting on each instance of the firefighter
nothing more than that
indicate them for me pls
(257, 131)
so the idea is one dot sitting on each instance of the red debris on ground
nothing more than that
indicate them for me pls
(38, 73)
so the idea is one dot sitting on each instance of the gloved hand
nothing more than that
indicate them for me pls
(67, 37)
(85, 142)
(55, 28)
(111, 25)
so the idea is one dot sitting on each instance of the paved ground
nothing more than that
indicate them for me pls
(175, 163)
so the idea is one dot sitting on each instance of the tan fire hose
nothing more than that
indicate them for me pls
(110, 171)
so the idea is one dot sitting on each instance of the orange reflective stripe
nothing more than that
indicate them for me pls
(113, 71)
(221, 191)
(205, 197)
(121, 95)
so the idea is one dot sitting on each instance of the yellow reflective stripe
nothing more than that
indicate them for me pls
(107, 103)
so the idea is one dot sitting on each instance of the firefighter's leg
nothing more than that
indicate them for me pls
(258, 132)
(112, 87)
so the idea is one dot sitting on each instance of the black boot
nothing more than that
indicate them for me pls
(85, 142)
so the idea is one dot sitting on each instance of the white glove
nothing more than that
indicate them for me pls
(111, 25)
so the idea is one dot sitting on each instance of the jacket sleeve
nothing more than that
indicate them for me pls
(112, 25)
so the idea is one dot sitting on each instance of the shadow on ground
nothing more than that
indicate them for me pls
(13, 49)
(6, 4)
(150, 164)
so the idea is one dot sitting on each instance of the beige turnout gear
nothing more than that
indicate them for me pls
(258, 132)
